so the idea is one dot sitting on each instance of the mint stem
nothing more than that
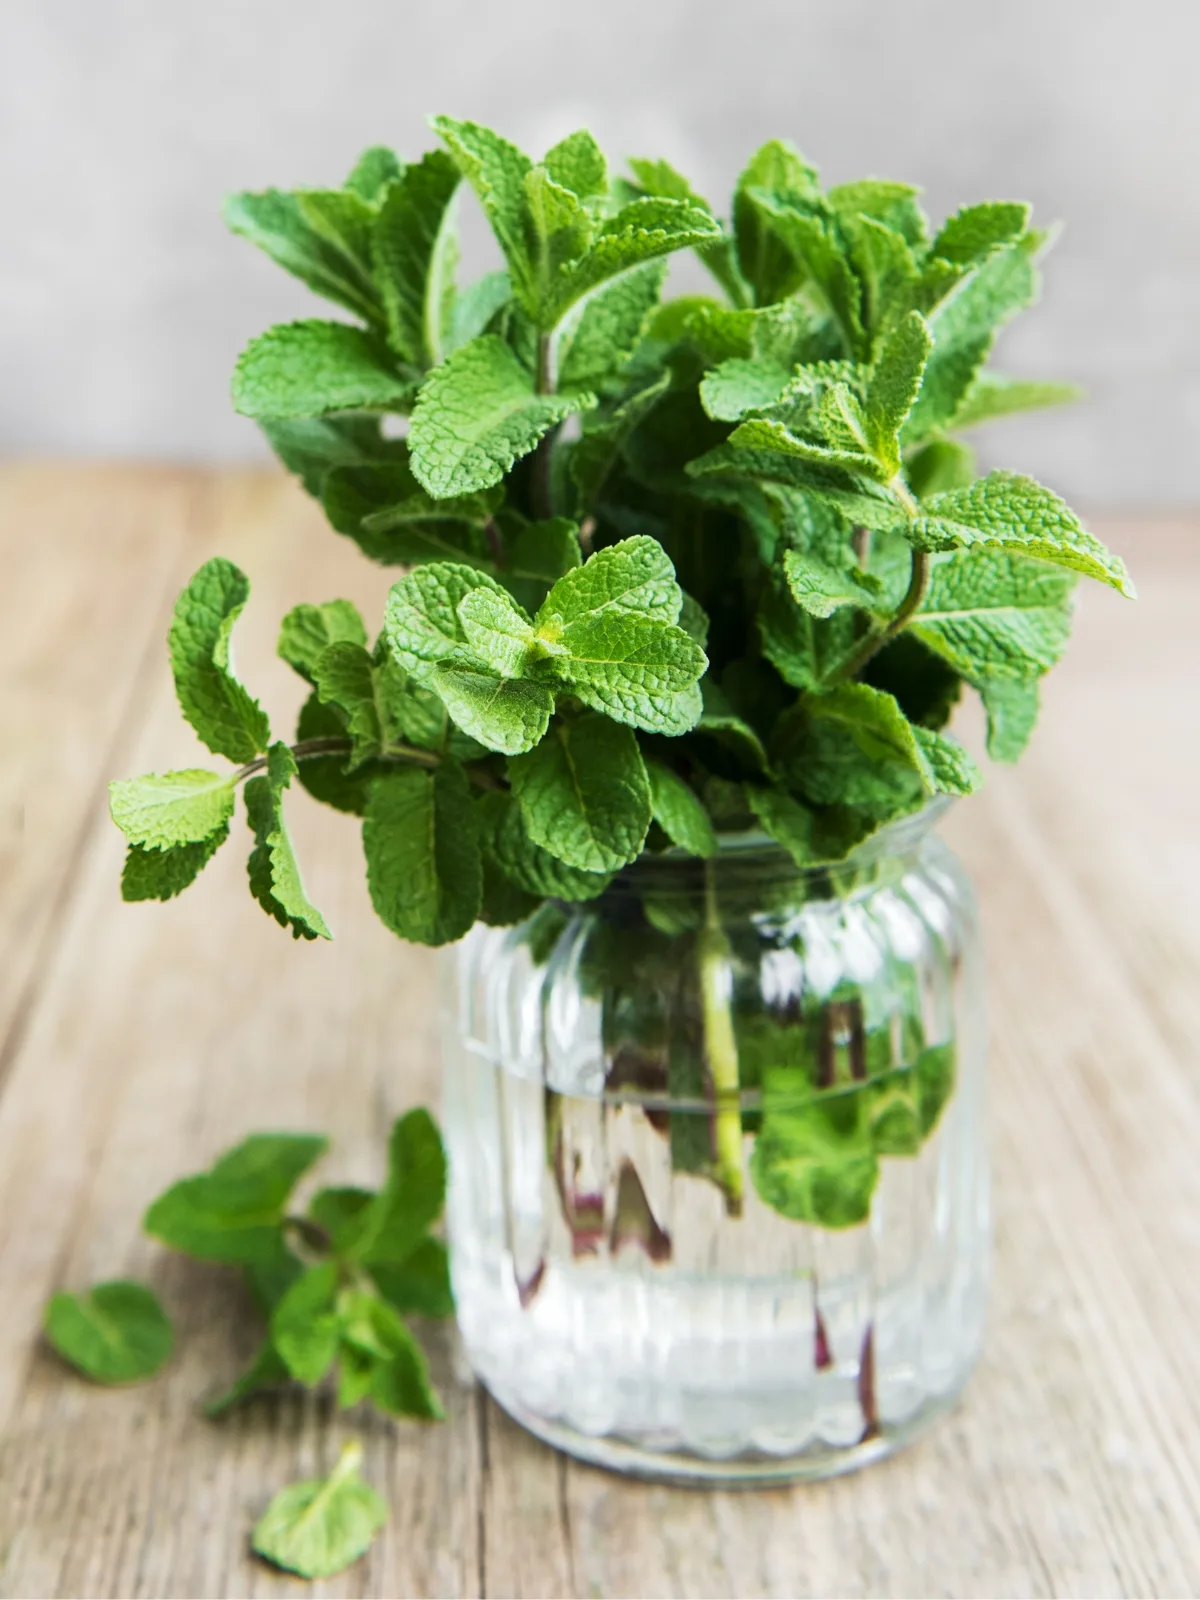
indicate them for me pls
(874, 642)
(720, 1045)
(335, 745)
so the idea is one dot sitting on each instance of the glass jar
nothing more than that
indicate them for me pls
(718, 1180)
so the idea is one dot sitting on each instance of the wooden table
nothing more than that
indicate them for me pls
(139, 1040)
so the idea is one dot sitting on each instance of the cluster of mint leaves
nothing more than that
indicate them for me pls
(744, 589)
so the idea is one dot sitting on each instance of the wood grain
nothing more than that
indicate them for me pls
(137, 1041)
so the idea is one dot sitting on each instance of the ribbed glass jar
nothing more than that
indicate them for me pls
(718, 1180)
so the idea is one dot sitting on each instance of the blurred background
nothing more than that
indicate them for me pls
(123, 302)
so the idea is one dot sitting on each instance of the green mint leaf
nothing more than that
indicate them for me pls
(975, 232)
(420, 1284)
(720, 722)
(325, 777)
(775, 171)
(497, 630)
(228, 720)
(679, 811)
(373, 173)
(765, 435)
(821, 263)
(421, 621)
(311, 446)
(305, 1327)
(270, 1276)
(558, 230)
(661, 180)
(496, 170)
(992, 614)
(598, 347)
(813, 1160)
(964, 328)
(507, 842)
(805, 650)
(397, 1219)
(604, 435)
(741, 385)
(399, 1376)
(884, 734)
(1012, 711)
(940, 465)
(577, 163)
(474, 308)
(423, 865)
(821, 589)
(584, 794)
(951, 770)
(892, 205)
(345, 678)
(504, 714)
(895, 382)
(414, 255)
(305, 369)
(630, 667)
(266, 1371)
(233, 1211)
(644, 230)
(273, 870)
(1005, 511)
(319, 1527)
(160, 811)
(339, 1211)
(162, 874)
(992, 395)
(114, 1333)
(633, 576)
(537, 556)
(382, 507)
(887, 270)
(477, 414)
(787, 821)
(307, 630)
(324, 248)
(935, 1069)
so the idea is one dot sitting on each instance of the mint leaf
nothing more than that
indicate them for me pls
(661, 180)
(423, 866)
(307, 630)
(211, 698)
(325, 777)
(397, 1219)
(992, 614)
(634, 575)
(887, 270)
(474, 308)
(496, 170)
(399, 1376)
(787, 821)
(318, 1527)
(345, 678)
(975, 232)
(421, 622)
(537, 556)
(741, 385)
(822, 264)
(312, 446)
(805, 650)
(776, 171)
(381, 506)
(414, 254)
(233, 1211)
(584, 794)
(373, 173)
(577, 163)
(1012, 711)
(505, 714)
(598, 449)
(162, 874)
(558, 229)
(762, 436)
(600, 344)
(992, 395)
(720, 722)
(305, 1327)
(814, 1161)
(273, 870)
(477, 414)
(1005, 511)
(940, 465)
(497, 630)
(895, 382)
(507, 842)
(114, 1333)
(631, 667)
(820, 589)
(679, 811)
(309, 244)
(304, 369)
(950, 769)
(161, 811)
(644, 230)
(881, 200)
(420, 1284)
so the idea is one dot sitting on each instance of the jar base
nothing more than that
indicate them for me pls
(749, 1471)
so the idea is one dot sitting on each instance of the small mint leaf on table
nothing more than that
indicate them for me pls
(227, 719)
(163, 810)
(679, 811)
(162, 874)
(113, 1333)
(273, 870)
(476, 415)
(234, 1211)
(319, 1527)
(413, 254)
(423, 864)
(305, 1326)
(307, 630)
(584, 794)
(420, 1284)
(305, 369)
(396, 1220)
(1005, 511)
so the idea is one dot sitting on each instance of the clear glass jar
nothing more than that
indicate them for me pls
(718, 1179)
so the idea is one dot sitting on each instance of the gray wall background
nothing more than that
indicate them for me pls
(122, 122)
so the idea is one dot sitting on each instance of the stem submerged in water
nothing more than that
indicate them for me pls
(720, 1046)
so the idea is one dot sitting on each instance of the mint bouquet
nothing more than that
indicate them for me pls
(670, 568)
